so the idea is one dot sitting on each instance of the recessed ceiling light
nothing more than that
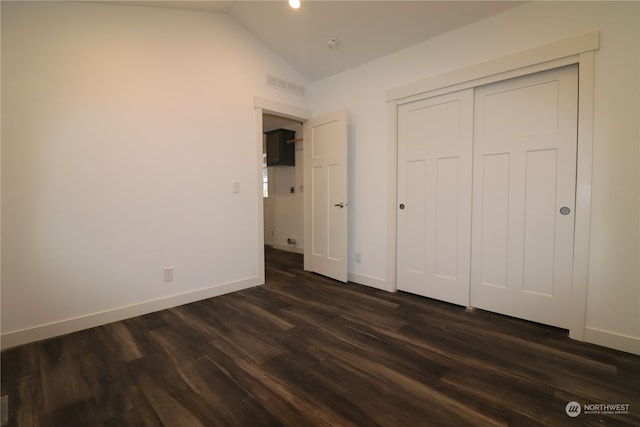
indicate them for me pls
(294, 4)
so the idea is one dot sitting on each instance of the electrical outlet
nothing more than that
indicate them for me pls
(168, 274)
(358, 257)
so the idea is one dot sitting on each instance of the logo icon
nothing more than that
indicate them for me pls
(573, 409)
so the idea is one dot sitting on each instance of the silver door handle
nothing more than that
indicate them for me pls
(339, 205)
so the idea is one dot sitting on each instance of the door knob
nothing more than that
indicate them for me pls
(339, 205)
(401, 206)
(565, 210)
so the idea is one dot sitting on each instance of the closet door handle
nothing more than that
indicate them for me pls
(401, 206)
(339, 205)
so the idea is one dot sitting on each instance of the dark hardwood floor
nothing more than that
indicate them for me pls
(306, 351)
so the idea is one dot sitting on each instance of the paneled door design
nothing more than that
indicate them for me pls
(486, 195)
(435, 138)
(525, 142)
(325, 187)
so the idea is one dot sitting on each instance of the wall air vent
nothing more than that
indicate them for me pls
(285, 85)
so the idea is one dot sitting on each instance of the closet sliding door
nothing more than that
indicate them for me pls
(525, 142)
(434, 196)
(486, 196)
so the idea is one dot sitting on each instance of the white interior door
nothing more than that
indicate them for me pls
(524, 194)
(325, 188)
(435, 138)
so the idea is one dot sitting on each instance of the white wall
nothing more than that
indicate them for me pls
(123, 131)
(613, 307)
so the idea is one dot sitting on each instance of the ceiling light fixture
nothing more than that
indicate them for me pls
(295, 4)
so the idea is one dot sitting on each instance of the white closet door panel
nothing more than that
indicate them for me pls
(504, 122)
(446, 220)
(434, 196)
(494, 243)
(539, 222)
(414, 258)
(524, 173)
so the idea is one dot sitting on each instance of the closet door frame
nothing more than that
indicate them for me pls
(578, 50)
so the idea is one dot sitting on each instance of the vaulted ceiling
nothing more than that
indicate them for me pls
(364, 30)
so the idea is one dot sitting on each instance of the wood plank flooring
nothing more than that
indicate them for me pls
(304, 350)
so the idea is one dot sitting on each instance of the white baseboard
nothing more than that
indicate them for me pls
(612, 340)
(66, 326)
(374, 282)
(289, 248)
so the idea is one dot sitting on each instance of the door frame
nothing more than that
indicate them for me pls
(578, 50)
(269, 106)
